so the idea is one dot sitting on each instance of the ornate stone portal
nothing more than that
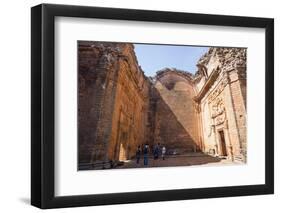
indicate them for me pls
(120, 108)
(222, 97)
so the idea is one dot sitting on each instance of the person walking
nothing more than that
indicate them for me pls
(163, 152)
(145, 155)
(138, 154)
(156, 151)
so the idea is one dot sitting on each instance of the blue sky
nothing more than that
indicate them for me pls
(156, 57)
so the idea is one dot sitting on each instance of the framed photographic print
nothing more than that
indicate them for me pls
(139, 106)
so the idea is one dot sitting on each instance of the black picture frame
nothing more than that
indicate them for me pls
(43, 102)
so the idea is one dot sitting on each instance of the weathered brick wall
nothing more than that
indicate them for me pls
(239, 110)
(113, 102)
(176, 120)
(95, 99)
(130, 108)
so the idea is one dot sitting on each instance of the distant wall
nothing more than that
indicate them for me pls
(176, 120)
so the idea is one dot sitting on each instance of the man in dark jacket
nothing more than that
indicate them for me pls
(138, 154)
(145, 154)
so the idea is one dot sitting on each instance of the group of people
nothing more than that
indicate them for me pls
(145, 150)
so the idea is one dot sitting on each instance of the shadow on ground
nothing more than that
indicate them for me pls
(25, 200)
(172, 160)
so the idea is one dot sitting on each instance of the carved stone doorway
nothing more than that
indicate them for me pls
(123, 147)
(222, 143)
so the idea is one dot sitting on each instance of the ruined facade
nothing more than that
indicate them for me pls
(120, 108)
(113, 101)
(221, 102)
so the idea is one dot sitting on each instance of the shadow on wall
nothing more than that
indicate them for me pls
(169, 129)
(182, 150)
(170, 110)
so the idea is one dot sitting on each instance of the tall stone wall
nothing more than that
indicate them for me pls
(97, 75)
(176, 120)
(113, 103)
(222, 102)
(130, 108)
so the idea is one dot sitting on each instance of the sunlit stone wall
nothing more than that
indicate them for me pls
(113, 103)
(222, 101)
(176, 123)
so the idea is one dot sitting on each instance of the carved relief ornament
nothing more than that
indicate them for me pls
(218, 90)
(218, 111)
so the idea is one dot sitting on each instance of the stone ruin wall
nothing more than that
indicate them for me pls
(120, 108)
(113, 98)
(176, 119)
(94, 84)
(130, 108)
(222, 100)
